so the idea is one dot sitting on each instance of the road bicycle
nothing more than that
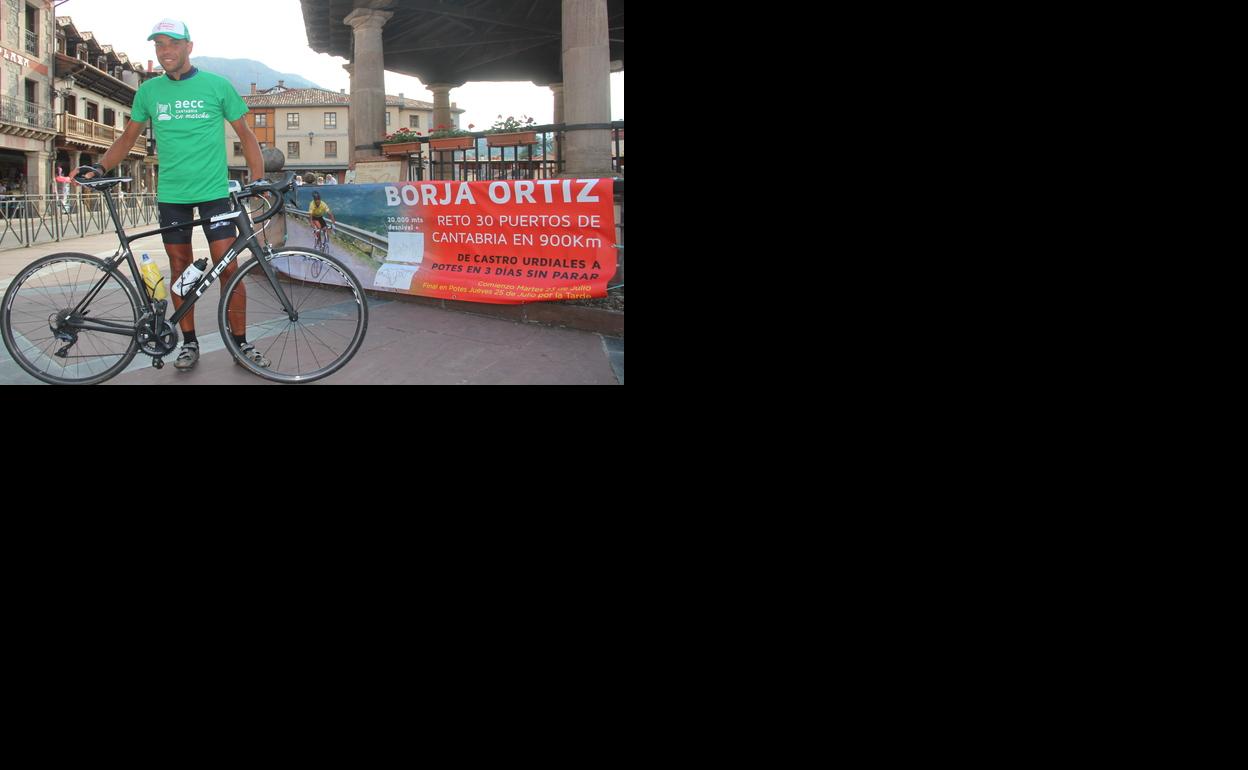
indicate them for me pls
(320, 237)
(75, 319)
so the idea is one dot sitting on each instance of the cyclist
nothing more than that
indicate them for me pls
(317, 212)
(188, 110)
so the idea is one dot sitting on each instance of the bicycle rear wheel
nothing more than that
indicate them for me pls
(330, 323)
(33, 320)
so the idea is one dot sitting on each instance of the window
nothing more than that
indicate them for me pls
(415, 120)
(262, 120)
(93, 112)
(32, 30)
(331, 120)
(238, 148)
(292, 149)
(110, 117)
(387, 119)
(331, 149)
(71, 105)
(292, 120)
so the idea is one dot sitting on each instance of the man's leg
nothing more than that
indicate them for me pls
(237, 311)
(181, 255)
(221, 236)
(178, 248)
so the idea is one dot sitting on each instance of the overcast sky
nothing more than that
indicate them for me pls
(272, 32)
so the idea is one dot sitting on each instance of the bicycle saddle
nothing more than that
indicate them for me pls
(104, 183)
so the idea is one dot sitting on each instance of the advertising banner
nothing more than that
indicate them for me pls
(503, 242)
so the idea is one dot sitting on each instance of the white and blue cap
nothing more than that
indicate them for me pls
(171, 27)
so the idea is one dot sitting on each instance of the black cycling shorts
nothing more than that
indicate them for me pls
(175, 213)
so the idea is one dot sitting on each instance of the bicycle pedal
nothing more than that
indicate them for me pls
(158, 363)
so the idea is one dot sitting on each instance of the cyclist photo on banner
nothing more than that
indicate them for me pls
(317, 213)
(188, 110)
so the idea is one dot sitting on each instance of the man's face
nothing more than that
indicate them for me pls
(173, 54)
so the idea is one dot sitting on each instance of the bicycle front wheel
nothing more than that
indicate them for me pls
(40, 314)
(326, 329)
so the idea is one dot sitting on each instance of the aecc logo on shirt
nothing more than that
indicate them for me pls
(182, 106)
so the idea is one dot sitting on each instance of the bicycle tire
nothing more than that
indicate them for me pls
(51, 284)
(332, 316)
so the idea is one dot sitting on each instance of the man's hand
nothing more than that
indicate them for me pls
(88, 172)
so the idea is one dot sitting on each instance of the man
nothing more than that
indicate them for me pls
(188, 110)
(318, 211)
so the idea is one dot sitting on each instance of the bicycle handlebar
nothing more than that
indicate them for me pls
(264, 187)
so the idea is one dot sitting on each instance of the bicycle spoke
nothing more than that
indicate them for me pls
(54, 286)
(330, 312)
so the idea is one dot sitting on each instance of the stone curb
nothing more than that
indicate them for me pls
(609, 323)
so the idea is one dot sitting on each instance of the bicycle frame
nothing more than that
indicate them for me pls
(247, 233)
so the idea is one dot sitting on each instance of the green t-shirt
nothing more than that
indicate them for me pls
(189, 116)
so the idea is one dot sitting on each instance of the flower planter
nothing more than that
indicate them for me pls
(402, 148)
(452, 143)
(513, 139)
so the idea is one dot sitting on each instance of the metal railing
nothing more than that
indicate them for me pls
(33, 219)
(545, 159)
(22, 112)
(32, 42)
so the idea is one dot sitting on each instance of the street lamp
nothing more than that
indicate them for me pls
(67, 85)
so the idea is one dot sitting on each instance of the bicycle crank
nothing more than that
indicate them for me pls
(158, 344)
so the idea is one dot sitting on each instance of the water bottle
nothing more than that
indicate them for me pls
(190, 277)
(152, 279)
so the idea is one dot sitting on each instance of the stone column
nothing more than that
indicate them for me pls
(350, 68)
(587, 84)
(557, 150)
(368, 87)
(39, 172)
(442, 105)
(445, 161)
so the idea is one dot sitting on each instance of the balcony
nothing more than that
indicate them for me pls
(24, 114)
(76, 129)
(32, 42)
(541, 160)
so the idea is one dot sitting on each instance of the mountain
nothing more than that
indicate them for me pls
(243, 72)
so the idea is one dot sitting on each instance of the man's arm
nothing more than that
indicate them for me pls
(122, 147)
(251, 148)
